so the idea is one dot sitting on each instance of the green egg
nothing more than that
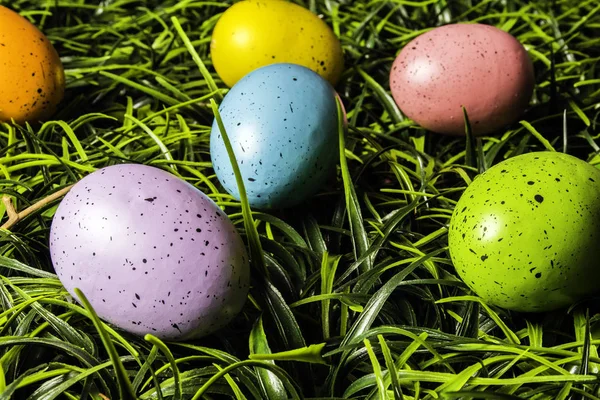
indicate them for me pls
(525, 234)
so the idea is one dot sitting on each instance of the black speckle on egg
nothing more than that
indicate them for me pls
(539, 198)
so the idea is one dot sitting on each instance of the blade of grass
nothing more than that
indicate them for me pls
(269, 382)
(197, 59)
(178, 395)
(359, 234)
(250, 228)
(125, 387)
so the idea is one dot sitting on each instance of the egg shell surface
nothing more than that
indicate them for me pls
(32, 80)
(282, 123)
(251, 34)
(477, 66)
(152, 253)
(524, 235)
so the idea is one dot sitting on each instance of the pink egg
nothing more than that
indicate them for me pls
(477, 66)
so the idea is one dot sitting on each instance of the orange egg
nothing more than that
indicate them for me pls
(32, 78)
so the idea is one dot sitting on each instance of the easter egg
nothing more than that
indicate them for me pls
(252, 34)
(32, 80)
(524, 234)
(477, 66)
(282, 123)
(152, 253)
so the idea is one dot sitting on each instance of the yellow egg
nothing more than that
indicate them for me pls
(251, 34)
(32, 80)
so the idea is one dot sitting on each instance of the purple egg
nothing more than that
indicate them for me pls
(152, 253)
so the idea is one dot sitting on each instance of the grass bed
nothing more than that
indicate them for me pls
(362, 300)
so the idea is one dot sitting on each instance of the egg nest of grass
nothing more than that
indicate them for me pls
(355, 289)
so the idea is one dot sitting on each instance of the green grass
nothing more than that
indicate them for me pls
(361, 299)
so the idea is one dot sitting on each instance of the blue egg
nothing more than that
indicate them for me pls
(282, 123)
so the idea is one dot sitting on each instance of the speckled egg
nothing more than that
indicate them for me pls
(282, 123)
(524, 235)
(254, 33)
(477, 66)
(32, 80)
(152, 253)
